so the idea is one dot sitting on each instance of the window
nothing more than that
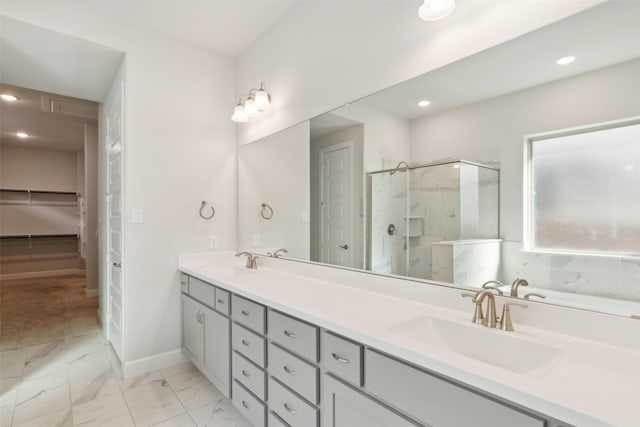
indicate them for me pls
(582, 190)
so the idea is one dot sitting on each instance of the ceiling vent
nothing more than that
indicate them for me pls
(70, 107)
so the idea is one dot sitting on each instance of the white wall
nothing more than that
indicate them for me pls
(90, 191)
(28, 168)
(180, 150)
(275, 170)
(324, 54)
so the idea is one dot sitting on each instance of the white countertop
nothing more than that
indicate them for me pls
(590, 384)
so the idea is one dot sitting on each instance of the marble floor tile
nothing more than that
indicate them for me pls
(91, 377)
(110, 411)
(127, 384)
(183, 420)
(56, 419)
(178, 369)
(219, 414)
(42, 396)
(45, 359)
(152, 403)
(7, 405)
(193, 389)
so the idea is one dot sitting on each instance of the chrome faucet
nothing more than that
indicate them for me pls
(490, 320)
(278, 253)
(252, 260)
(516, 284)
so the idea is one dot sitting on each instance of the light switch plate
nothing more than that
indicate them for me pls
(137, 216)
(213, 242)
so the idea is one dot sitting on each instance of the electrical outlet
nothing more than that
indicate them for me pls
(137, 216)
(256, 240)
(213, 242)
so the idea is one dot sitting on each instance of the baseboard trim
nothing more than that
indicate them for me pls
(47, 273)
(92, 292)
(145, 365)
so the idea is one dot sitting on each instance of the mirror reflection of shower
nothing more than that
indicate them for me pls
(438, 221)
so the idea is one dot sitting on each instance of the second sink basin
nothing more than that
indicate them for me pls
(495, 347)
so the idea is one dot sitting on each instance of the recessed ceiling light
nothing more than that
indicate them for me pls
(8, 97)
(566, 60)
(424, 103)
(22, 135)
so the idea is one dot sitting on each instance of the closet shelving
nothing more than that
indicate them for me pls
(39, 223)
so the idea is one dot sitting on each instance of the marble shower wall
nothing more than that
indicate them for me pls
(607, 277)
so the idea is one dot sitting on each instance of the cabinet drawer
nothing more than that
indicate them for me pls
(249, 344)
(249, 405)
(291, 408)
(222, 301)
(276, 421)
(184, 283)
(434, 401)
(300, 376)
(251, 376)
(294, 335)
(202, 291)
(249, 313)
(342, 357)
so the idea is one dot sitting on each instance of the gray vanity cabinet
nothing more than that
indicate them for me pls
(216, 349)
(205, 341)
(347, 407)
(192, 331)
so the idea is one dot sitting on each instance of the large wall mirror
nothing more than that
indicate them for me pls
(459, 175)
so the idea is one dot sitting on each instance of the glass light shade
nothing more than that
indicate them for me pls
(263, 102)
(9, 97)
(433, 10)
(239, 115)
(250, 107)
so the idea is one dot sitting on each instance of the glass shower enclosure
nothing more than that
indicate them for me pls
(413, 209)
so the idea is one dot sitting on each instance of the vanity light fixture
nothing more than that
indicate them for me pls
(258, 101)
(565, 60)
(22, 135)
(8, 97)
(424, 103)
(434, 10)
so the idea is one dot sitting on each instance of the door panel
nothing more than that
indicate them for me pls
(335, 205)
(192, 329)
(217, 349)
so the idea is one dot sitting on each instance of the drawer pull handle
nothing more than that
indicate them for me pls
(245, 404)
(340, 358)
(290, 371)
(245, 342)
(245, 373)
(290, 409)
(220, 301)
(290, 334)
(245, 313)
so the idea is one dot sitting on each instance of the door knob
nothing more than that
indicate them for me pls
(117, 264)
(345, 246)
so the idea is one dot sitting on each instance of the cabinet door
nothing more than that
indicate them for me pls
(192, 330)
(217, 351)
(346, 407)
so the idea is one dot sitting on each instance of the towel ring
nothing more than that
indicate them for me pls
(267, 211)
(207, 217)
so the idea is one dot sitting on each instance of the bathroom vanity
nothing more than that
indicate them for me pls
(295, 344)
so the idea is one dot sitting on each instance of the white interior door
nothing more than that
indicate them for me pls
(336, 192)
(115, 226)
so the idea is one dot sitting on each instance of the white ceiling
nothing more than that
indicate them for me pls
(45, 60)
(47, 130)
(599, 37)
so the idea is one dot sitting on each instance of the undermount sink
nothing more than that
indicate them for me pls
(495, 347)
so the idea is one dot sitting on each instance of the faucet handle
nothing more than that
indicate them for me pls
(528, 296)
(505, 320)
(478, 316)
